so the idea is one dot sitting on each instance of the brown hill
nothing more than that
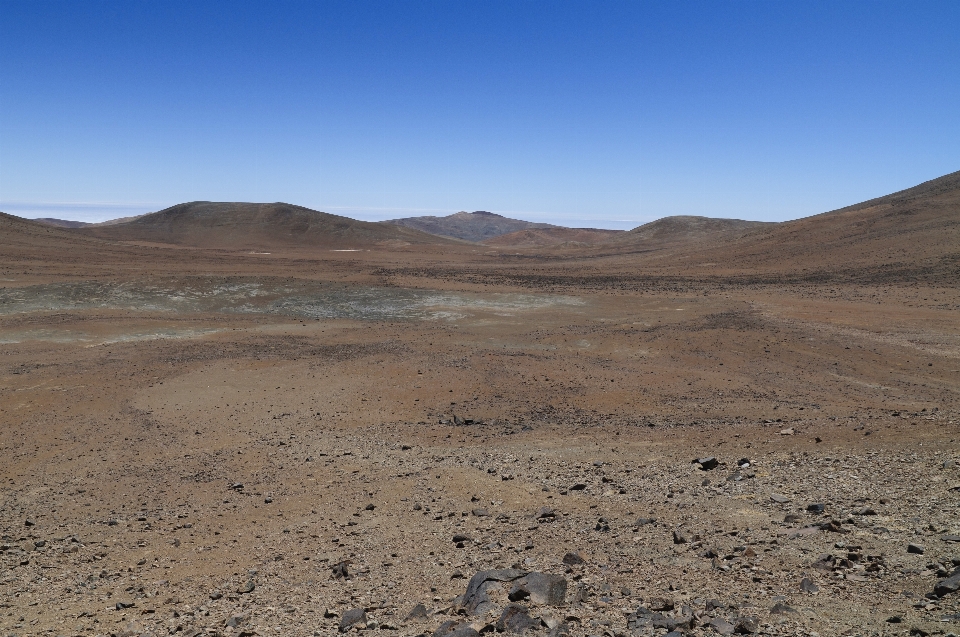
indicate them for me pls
(61, 223)
(20, 236)
(546, 237)
(469, 226)
(917, 227)
(686, 230)
(208, 224)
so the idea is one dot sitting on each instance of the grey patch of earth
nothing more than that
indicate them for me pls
(301, 300)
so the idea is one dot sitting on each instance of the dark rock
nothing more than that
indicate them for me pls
(514, 619)
(746, 625)
(791, 518)
(481, 513)
(948, 585)
(247, 587)
(540, 588)
(460, 537)
(807, 585)
(779, 499)
(573, 558)
(721, 626)
(679, 538)
(418, 613)
(29, 522)
(915, 548)
(237, 620)
(671, 623)
(329, 614)
(454, 628)
(661, 604)
(475, 600)
(351, 617)
(578, 487)
(743, 462)
(707, 464)
(815, 508)
(546, 513)
(645, 521)
(951, 538)
(370, 507)
(602, 525)
(896, 619)
(340, 570)
(781, 609)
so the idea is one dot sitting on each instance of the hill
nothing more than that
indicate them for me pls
(61, 223)
(685, 230)
(914, 228)
(547, 237)
(469, 226)
(208, 224)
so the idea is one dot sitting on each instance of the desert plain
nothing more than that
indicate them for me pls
(676, 430)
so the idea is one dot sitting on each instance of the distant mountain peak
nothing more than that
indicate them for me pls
(469, 226)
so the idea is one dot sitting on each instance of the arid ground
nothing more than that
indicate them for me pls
(225, 441)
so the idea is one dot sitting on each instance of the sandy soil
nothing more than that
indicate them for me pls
(180, 426)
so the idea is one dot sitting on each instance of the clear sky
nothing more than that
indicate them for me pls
(602, 114)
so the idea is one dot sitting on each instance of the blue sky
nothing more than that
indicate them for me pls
(600, 114)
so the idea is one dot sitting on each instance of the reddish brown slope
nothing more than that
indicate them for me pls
(543, 237)
(207, 224)
(917, 227)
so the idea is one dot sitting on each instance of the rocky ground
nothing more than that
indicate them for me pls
(761, 460)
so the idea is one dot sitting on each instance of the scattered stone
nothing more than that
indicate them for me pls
(779, 499)
(746, 625)
(419, 613)
(645, 521)
(247, 587)
(475, 600)
(721, 626)
(540, 588)
(370, 507)
(951, 538)
(679, 538)
(237, 620)
(340, 570)
(351, 617)
(815, 508)
(707, 464)
(546, 514)
(915, 548)
(949, 585)
(514, 619)
(481, 513)
(454, 628)
(578, 487)
(782, 609)
(661, 604)
(573, 559)
(808, 586)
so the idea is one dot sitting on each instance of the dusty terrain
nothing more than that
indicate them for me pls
(213, 441)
